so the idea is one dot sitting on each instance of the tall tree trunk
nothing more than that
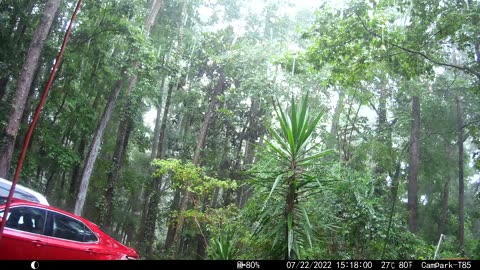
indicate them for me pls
(158, 122)
(444, 214)
(21, 27)
(332, 139)
(154, 10)
(255, 131)
(172, 221)
(50, 183)
(200, 146)
(461, 185)
(95, 147)
(382, 127)
(76, 173)
(150, 220)
(383, 156)
(24, 82)
(412, 204)
(123, 136)
(124, 130)
(16, 34)
(154, 198)
(27, 109)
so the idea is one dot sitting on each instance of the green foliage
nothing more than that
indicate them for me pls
(294, 154)
(222, 247)
(187, 175)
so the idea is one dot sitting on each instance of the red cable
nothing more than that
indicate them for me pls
(35, 118)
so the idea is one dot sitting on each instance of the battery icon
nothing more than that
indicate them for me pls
(239, 265)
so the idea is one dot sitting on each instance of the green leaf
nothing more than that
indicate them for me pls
(276, 149)
(277, 180)
(290, 233)
(294, 119)
(317, 156)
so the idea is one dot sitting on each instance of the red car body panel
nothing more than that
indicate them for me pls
(17, 244)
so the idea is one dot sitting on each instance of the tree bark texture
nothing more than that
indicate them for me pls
(444, 214)
(152, 212)
(24, 83)
(412, 205)
(125, 127)
(158, 122)
(461, 184)
(154, 10)
(332, 139)
(123, 136)
(200, 146)
(95, 147)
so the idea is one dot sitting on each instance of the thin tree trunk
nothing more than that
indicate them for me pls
(27, 111)
(461, 185)
(24, 83)
(104, 121)
(332, 140)
(23, 22)
(412, 204)
(202, 238)
(146, 200)
(216, 193)
(124, 131)
(255, 132)
(155, 198)
(121, 143)
(16, 34)
(95, 147)
(444, 214)
(154, 10)
(172, 224)
(158, 122)
(196, 158)
(152, 212)
(50, 183)
(383, 156)
(76, 173)
(382, 128)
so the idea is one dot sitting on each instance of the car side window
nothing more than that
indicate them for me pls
(29, 219)
(69, 228)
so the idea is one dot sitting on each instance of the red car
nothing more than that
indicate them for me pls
(36, 231)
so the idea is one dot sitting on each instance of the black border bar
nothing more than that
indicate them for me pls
(244, 264)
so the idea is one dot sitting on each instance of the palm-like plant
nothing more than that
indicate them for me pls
(295, 153)
(222, 247)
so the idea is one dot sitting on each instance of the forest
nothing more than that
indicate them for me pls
(252, 129)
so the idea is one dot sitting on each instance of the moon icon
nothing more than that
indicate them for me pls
(35, 265)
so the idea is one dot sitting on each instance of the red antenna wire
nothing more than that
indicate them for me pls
(35, 118)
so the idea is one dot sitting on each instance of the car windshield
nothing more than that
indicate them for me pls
(3, 200)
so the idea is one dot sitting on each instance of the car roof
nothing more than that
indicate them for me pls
(22, 192)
